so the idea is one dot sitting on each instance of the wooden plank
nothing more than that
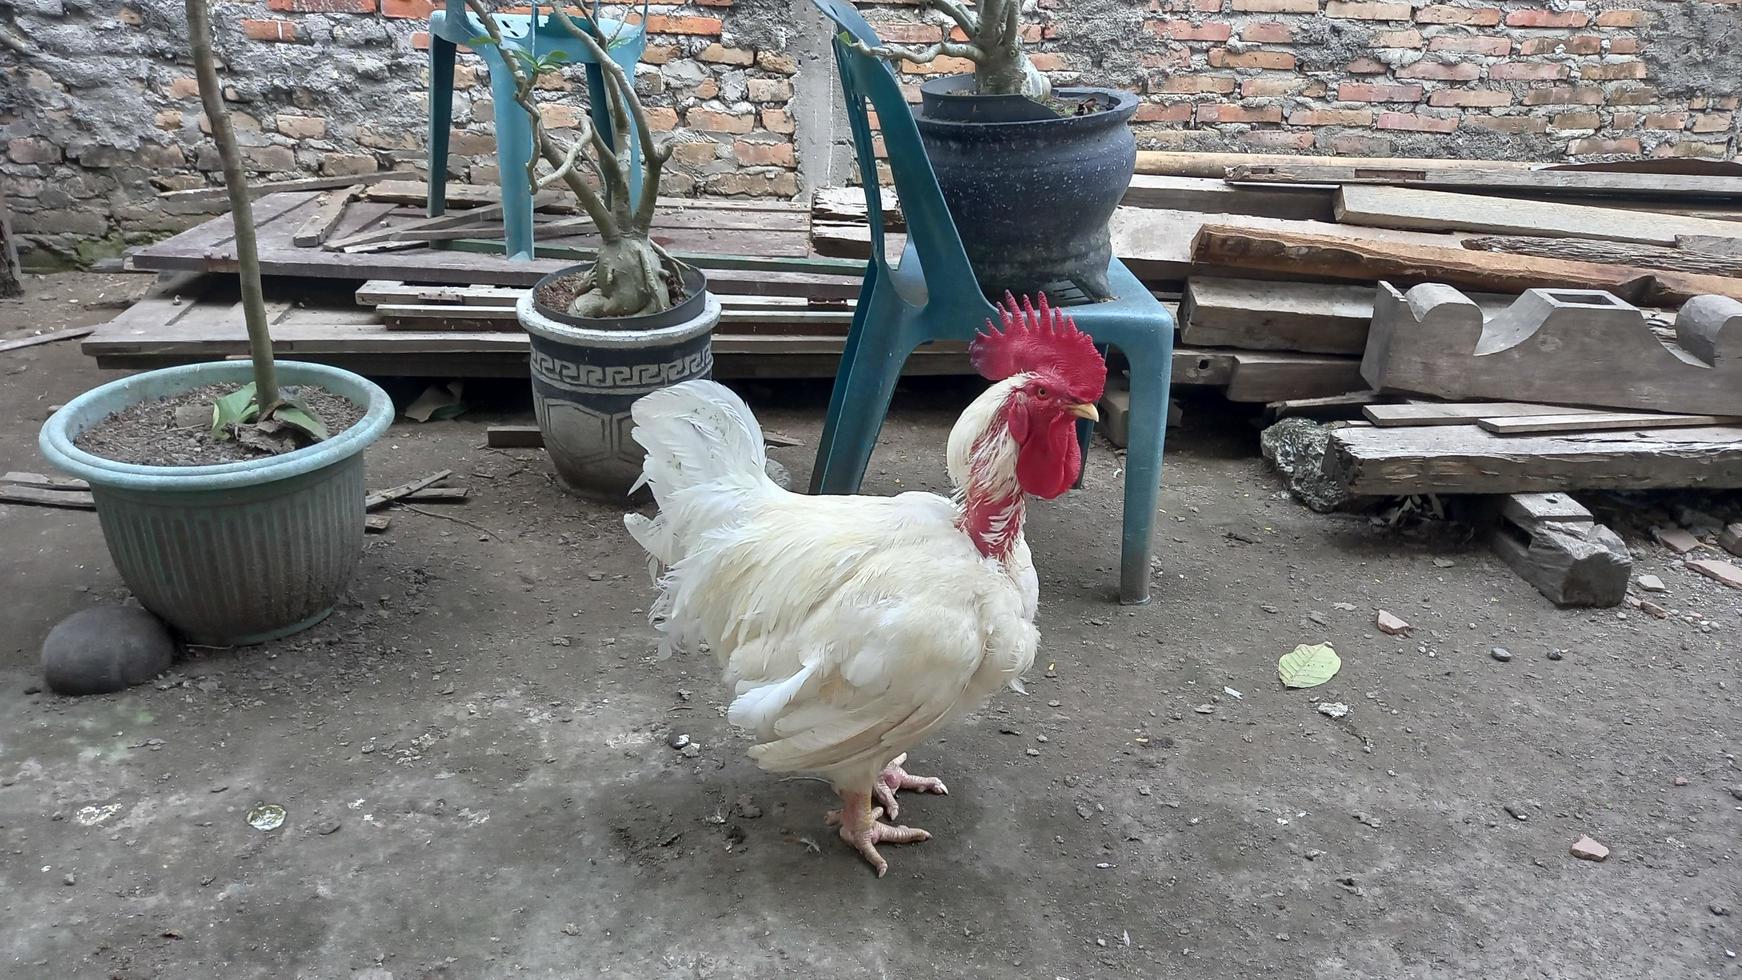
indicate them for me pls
(1562, 346)
(1614, 253)
(1526, 509)
(42, 482)
(381, 498)
(1217, 164)
(1211, 195)
(1572, 560)
(514, 437)
(846, 205)
(71, 333)
(219, 195)
(1461, 413)
(1537, 182)
(1598, 421)
(1345, 257)
(69, 499)
(1208, 368)
(1465, 459)
(1269, 377)
(1403, 207)
(404, 230)
(459, 196)
(1259, 315)
(319, 226)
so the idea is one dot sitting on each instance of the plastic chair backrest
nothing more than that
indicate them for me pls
(930, 231)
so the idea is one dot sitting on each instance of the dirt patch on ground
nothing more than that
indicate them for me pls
(176, 431)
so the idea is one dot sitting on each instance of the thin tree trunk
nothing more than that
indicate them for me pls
(241, 209)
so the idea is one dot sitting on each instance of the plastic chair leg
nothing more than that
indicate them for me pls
(837, 394)
(513, 153)
(441, 120)
(1148, 429)
(863, 390)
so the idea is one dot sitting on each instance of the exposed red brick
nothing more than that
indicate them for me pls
(1347, 144)
(1623, 120)
(1577, 44)
(1331, 117)
(1230, 113)
(1378, 92)
(709, 121)
(1360, 10)
(1564, 95)
(1462, 71)
(1584, 119)
(408, 9)
(661, 118)
(1538, 17)
(1194, 84)
(1516, 125)
(1223, 58)
(1415, 122)
(1278, 139)
(663, 24)
(660, 54)
(1397, 39)
(943, 65)
(1177, 112)
(1472, 44)
(1276, 6)
(1273, 87)
(1630, 95)
(1622, 18)
(1044, 61)
(1447, 14)
(269, 30)
(719, 54)
(1624, 45)
(1266, 32)
(1185, 30)
(1593, 146)
(1690, 148)
(899, 33)
(1713, 122)
(1609, 73)
(777, 120)
(1366, 66)
(1474, 97)
(1667, 120)
(1527, 71)
(764, 154)
(322, 6)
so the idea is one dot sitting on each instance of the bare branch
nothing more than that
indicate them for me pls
(562, 171)
(922, 55)
(969, 24)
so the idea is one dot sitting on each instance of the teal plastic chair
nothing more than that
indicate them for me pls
(932, 295)
(537, 34)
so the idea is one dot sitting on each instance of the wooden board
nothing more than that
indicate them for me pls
(1464, 459)
(1404, 207)
(1269, 377)
(1309, 317)
(1214, 196)
(1461, 413)
(210, 247)
(70, 333)
(1682, 259)
(200, 199)
(1536, 182)
(1526, 509)
(1559, 346)
(1218, 164)
(1597, 422)
(1347, 257)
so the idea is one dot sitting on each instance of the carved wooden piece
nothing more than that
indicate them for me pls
(1554, 544)
(1568, 346)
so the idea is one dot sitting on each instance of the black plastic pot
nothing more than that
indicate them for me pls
(1031, 191)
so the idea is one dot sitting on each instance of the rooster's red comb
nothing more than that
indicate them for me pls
(1039, 339)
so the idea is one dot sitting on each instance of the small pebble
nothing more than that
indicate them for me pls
(328, 828)
(677, 740)
(1501, 654)
(1719, 909)
(1587, 849)
(690, 751)
(1031, 751)
(1556, 654)
(68, 880)
(1680, 780)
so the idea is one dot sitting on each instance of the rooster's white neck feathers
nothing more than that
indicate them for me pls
(982, 463)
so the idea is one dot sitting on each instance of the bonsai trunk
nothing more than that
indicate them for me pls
(628, 279)
(241, 209)
(1006, 71)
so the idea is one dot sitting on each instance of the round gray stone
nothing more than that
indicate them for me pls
(105, 649)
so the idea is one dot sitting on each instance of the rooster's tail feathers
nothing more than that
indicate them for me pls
(694, 433)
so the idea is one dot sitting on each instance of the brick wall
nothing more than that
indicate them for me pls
(105, 115)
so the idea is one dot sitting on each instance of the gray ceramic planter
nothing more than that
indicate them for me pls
(233, 553)
(587, 373)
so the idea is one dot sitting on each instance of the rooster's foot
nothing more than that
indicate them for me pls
(862, 829)
(896, 778)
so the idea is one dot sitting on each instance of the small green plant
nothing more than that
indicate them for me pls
(631, 275)
(994, 45)
(260, 402)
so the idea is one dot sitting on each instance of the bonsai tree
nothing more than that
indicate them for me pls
(258, 413)
(632, 275)
(994, 45)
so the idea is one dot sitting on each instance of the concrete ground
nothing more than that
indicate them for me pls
(472, 753)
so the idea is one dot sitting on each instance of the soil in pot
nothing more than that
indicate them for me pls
(559, 294)
(176, 431)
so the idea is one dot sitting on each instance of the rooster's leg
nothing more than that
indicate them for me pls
(862, 829)
(896, 778)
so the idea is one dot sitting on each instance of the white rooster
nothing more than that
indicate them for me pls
(852, 627)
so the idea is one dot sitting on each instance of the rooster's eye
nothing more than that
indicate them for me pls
(1040, 392)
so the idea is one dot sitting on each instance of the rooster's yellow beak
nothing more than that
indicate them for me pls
(1085, 411)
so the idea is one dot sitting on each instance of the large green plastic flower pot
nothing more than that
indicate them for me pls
(232, 553)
